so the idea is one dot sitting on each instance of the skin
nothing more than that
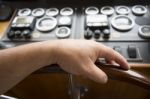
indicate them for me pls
(74, 56)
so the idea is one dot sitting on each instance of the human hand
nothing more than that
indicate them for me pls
(78, 57)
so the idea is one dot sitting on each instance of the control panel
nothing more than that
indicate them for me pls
(41, 24)
(117, 23)
(124, 28)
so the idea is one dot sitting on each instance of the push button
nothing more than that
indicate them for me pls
(132, 51)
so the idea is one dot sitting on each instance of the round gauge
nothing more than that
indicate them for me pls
(65, 20)
(24, 12)
(122, 10)
(91, 10)
(122, 22)
(38, 12)
(46, 24)
(144, 31)
(63, 32)
(66, 11)
(139, 10)
(52, 12)
(107, 10)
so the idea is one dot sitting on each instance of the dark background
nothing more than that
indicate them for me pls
(73, 3)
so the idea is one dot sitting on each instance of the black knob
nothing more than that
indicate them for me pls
(97, 33)
(11, 34)
(26, 33)
(106, 33)
(88, 34)
(18, 34)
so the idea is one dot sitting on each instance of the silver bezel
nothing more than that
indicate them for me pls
(64, 13)
(92, 7)
(45, 29)
(137, 12)
(24, 14)
(42, 12)
(120, 27)
(122, 13)
(143, 34)
(52, 13)
(63, 35)
(106, 13)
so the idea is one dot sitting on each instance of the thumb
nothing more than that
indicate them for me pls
(96, 74)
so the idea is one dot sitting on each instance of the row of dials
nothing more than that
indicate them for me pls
(39, 12)
(43, 20)
(121, 10)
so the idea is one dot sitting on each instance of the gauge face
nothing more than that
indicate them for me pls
(63, 32)
(24, 12)
(91, 10)
(122, 10)
(122, 22)
(52, 12)
(139, 10)
(144, 31)
(66, 11)
(38, 12)
(64, 20)
(107, 10)
(46, 24)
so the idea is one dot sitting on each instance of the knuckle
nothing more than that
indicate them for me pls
(110, 53)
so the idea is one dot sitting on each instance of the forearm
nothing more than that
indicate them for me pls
(16, 63)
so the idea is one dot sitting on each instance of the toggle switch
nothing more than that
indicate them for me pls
(132, 51)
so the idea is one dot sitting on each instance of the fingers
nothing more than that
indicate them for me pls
(111, 55)
(121, 60)
(94, 73)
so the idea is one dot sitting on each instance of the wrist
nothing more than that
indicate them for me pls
(51, 48)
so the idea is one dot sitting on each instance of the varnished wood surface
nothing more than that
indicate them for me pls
(3, 27)
(135, 65)
(42, 86)
(55, 86)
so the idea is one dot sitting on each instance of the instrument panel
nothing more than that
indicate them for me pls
(126, 29)
(41, 24)
(118, 23)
